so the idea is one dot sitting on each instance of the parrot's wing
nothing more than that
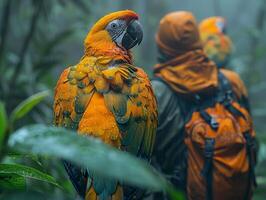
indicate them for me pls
(135, 111)
(77, 176)
(134, 108)
(68, 103)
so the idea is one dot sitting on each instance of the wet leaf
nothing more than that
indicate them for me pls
(26, 106)
(12, 182)
(30, 195)
(26, 172)
(88, 152)
(3, 123)
(174, 194)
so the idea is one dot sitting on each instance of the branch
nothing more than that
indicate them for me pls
(255, 39)
(5, 25)
(25, 46)
(259, 27)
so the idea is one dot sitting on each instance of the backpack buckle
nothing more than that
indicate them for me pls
(211, 121)
(214, 124)
(229, 95)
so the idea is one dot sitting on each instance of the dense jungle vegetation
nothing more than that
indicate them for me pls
(39, 38)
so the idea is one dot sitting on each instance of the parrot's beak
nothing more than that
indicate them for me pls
(133, 35)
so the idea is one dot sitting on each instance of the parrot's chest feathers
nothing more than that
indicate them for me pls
(99, 121)
(104, 90)
(110, 100)
(102, 74)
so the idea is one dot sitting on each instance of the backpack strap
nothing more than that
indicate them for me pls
(226, 95)
(211, 121)
(251, 151)
(225, 85)
(250, 142)
(208, 166)
(201, 105)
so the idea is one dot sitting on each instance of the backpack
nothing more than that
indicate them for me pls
(220, 150)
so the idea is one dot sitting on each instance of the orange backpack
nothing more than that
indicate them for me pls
(220, 147)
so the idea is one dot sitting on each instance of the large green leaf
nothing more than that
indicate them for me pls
(12, 182)
(88, 152)
(26, 106)
(32, 195)
(3, 123)
(26, 172)
(17, 156)
(174, 194)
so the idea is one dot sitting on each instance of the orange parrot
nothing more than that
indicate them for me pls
(107, 97)
(217, 45)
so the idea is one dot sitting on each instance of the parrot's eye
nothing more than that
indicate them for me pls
(113, 25)
(125, 34)
(116, 28)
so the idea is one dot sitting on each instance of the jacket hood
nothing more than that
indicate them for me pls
(185, 67)
(178, 33)
(189, 73)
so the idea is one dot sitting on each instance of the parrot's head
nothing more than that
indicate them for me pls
(217, 44)
(114, 33)
(213, 25)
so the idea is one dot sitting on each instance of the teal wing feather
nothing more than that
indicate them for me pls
(135, 110)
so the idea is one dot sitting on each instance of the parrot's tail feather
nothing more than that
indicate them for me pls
(118, 194)
(91, 195)
(77, 177)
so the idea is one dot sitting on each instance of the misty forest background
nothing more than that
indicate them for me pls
(39, 38)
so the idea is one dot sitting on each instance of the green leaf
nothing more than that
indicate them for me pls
(32, 195)
(26, 106)
(3, 123)
(174, 194)
(26, 172)
(88, 152)
(17, 156)
(12, 182)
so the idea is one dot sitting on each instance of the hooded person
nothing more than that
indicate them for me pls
(218, 46)
(186, 84)
(183, 68)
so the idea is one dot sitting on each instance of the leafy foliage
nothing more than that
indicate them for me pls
(39, 38)
(3, 122)
(26, 172)
(30, 195)
(13, 176)
(12, 182)
(24, 107)
(88, 152)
